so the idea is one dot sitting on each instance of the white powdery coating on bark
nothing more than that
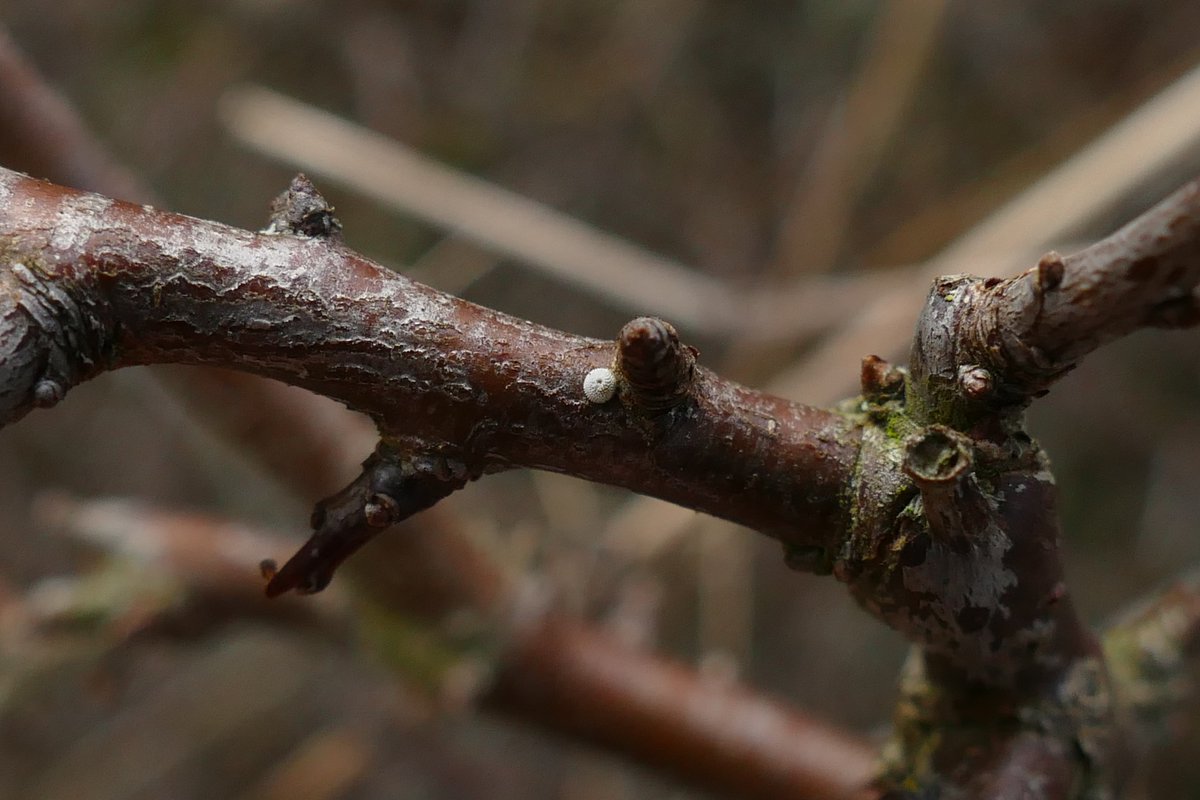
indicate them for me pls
(79, 216)
(7, 179)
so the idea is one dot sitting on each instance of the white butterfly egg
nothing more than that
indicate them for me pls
(600, 385)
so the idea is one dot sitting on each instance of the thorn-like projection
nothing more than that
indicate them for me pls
(392, 486)
(656, 368)
(939, 462)
(303, 211)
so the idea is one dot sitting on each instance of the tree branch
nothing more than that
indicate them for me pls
(925, 495)
(94, 284)
(431, 568)
(1013, 338)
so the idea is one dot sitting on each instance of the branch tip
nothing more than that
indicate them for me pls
(937, 457)
(940, 463)
(391, 487)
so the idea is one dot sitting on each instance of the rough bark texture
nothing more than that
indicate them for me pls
(925, 495)
(96, 284)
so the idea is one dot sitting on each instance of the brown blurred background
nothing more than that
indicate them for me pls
(830, 145)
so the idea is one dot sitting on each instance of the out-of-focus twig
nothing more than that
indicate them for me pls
(503, 221)
(1162, 132)
(709, 733)
(712, 734)
(235, 686)
(324, 767)
(212, 562)
(40, 131)
(1152, 651)
(856, 136)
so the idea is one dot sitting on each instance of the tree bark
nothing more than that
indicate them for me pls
(925, 495)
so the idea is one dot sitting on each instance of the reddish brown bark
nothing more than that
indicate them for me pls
(707, 733)
(925, 495)
(439, 375)
(428, 566)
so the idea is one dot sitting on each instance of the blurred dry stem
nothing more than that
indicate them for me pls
(534, 234)
(324, 767)
(41, 131)
(235, 686)
(856, 135)
(614, 688)
(503, 221)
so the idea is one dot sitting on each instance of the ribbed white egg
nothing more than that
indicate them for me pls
(600, 385)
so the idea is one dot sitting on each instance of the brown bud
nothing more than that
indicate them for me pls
(381, 510)
(879, 377)
(1050, 271)
(975, 382)
(657, 370)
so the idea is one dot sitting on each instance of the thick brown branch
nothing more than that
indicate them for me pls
(133, 285)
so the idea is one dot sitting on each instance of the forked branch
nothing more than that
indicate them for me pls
(925, 495)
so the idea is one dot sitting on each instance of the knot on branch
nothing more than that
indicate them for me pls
(656, 368)
(392, 486)
(302, 211)
(51, 338)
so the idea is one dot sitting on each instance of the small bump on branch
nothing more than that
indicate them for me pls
(392, 486)
(302, 211)
(1050, 271)
(657, 370)
(880, 379)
